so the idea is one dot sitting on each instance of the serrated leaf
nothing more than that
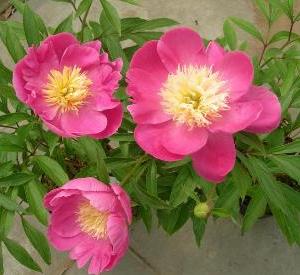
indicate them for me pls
(247, 27)
(31, 29)
(230, 35)
(21, 255)
(15, 179)
(35, 201)
(38, 241)
(112, 15)
(255, 209)
(52, 169)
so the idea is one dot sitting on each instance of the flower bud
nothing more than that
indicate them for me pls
(202, 210)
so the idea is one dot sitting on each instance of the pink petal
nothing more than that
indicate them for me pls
(236, 68)
(114, 120)
(270, 116)
(103, 201)
(118, 233)
(179, 139)
(94, 44)
(180, 46)
(148, 112)
(61, 42)
(81, 56)
(87, 184)
(103, 101)
(149, 138)
(215, 53)
(84, 122)
(238, 117)
(144, 85)
(124, 200)
(55, 126)
(62, 243)
(147, 59)
(216, 159)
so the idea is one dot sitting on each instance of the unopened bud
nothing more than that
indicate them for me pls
(202, 210)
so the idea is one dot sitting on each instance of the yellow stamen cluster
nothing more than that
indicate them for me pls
(194, 96)
(67, 89)
(92, 221)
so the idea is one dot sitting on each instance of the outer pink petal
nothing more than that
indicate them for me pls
(55, 126)
(87, 184)
(216, 159)
(238, 117)
(118, 233)
(82, 56)
(215, 53)
(84, 122)
(94, 44)
(62, 243)
(101, 258)
(149, 138)
(236, 68)
(270, 116)
(124, 200)
(61, 42)
(103, 101)
(148, 112)
(144, 85)
(114, 121)
(180, 46)
(147, 59)
(103, 201)
(179, 139)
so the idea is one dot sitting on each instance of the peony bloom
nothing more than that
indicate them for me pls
(90, 219)
(190, 100)
(70, 86)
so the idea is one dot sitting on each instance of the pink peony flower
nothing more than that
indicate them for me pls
(190, 100)
(70, 86)
(90, 219)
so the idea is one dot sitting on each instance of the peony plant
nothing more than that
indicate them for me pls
(172, 127)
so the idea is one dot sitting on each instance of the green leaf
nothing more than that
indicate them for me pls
(5, 74)
(262, 5)
(14, 47)
(289, 148)
(35, 201)
(31, 29)
(198, 229)
(21, 255)
(52, 169)
(112, 15)
(269, 185)
(14, 118)
(8, 203)
(229, 197)
(15, 179)
(155, 24)
(6, 216)
(151, 178)
(18, 4)
(241, 179)
(122, 137)
(182, 188)
(66, 25)
(38, 241)
(247, 27)
(83, 7)
(230, 35)
(132, 2)
(291, 195)
(288, 164)
(149, 199)
(252, 140)
(146, 215)
(255, 209)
